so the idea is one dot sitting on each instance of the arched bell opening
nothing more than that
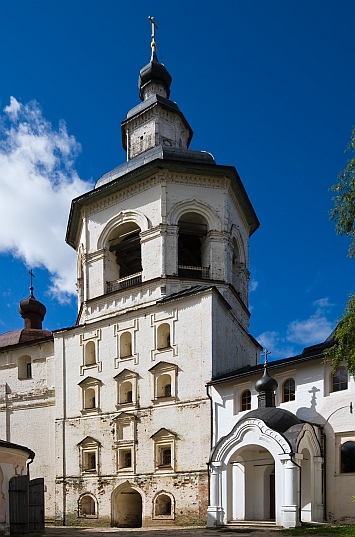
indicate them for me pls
(126, 508)
(193, 246)
(124, 259)
(251, 485)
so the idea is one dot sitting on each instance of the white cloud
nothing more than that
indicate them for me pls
(253, 285)
(276, 344)
(37, 182)
(300, 333)
(315, 329)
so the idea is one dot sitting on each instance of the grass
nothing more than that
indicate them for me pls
(346, 531)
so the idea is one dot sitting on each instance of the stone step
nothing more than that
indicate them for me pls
(253, 524)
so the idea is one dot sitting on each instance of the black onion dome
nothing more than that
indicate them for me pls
(32, 311)
(278, 419)
(266, 383)
(32, 305)
(154, 72)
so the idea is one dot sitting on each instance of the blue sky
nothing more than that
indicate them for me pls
(267, 86)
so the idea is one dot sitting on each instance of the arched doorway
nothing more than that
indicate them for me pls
(126, 507)
(252, 483)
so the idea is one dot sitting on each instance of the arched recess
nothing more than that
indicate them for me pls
(308, 444)
(124, 217)
(126, 506)
(195, 206)
(240, 274)
(121, 241)
(87, 506)
(238, 241)
(163, 505)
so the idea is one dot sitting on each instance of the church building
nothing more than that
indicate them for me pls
(151, 397)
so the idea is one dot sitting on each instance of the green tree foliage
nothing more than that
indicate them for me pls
(344, 336)
(343, 212)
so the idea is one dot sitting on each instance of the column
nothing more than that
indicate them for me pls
(214, 510)
(290, 503)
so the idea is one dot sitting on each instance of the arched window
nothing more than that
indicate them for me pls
(191, 255)
(245, 400)
(90, 395)
(163, 505)
(87, 506)
(288, 390)
(125, 245)
(340, 379)
(24, 367)
(347, 457)
(125, 345)
(89, 398)
(126, 393)
(163, 334)
(164, 385)
(90, 357)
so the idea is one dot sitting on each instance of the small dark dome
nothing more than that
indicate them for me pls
(32, 311)
(32, 305)
(266, 383)
(154, 72)
(277, 419)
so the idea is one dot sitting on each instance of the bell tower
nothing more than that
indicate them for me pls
(162, 244)
(167, 219)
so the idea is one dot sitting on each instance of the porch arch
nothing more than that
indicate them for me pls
(127, 506)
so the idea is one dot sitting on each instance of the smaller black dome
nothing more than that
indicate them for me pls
(154, 72)
(266, 383)
(32, 305)
(32, 311)
(278, 419)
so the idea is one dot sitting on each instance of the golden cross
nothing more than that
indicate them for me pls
(153, 43)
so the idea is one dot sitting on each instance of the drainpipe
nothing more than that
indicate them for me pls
(63, 430)
(324, 475)
(30, 461)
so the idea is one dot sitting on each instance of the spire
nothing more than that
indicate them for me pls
(154, 78)
(266, 386)
(31, 310)
(153, 45)
(157, 123)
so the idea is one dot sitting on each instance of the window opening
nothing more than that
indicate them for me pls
(89, 399)
(24, 368)
(125, 345)
(163, 334)
(90, 357)
(245, 400)
(126, 392)
(288, 390)
(347, 456)
(164, 385)
(126, 246)
(89, 461)
(192, 234)
(340, 379)
(165, 456)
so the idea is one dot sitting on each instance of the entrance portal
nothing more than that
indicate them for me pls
(127, 508)
(253, 484)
